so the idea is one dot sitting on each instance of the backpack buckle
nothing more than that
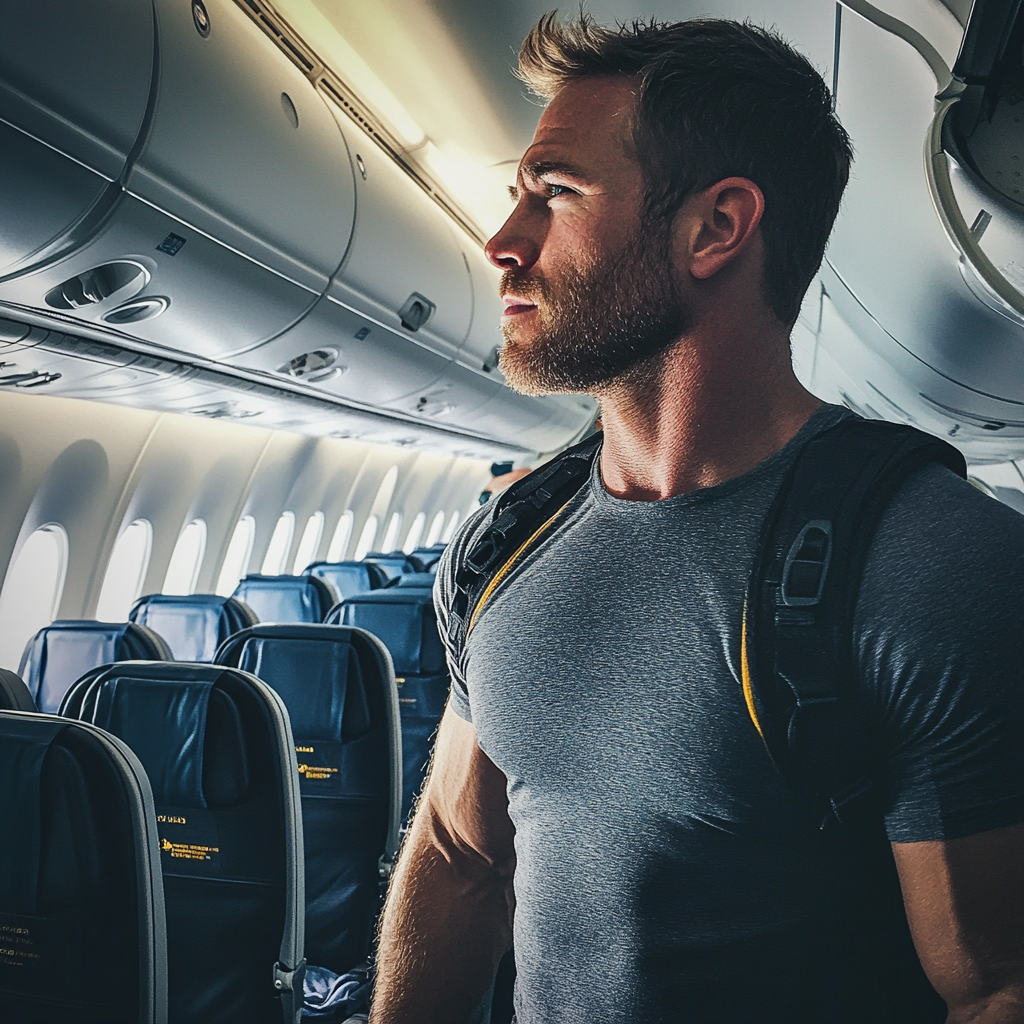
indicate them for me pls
(806, 567)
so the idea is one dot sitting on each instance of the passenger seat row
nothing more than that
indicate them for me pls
(164, 860)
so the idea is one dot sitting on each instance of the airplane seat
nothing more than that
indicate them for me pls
(427, 557)
(403, 618)
(417, 564)
(14, 694)
(81, 894)
(68, 648)
(415, 580)
(193, 625)
(286, 598)
(217, 747)
(349, 578)
(338, 686)
(393, 565)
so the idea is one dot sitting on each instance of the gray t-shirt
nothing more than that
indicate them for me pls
(664, 870)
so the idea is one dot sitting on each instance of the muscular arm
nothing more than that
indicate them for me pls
(447, 919)
(965, 905)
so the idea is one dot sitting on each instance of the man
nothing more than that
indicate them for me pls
(598, 789)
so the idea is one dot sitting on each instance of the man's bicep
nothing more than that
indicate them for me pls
(965, 905)
(467, 797)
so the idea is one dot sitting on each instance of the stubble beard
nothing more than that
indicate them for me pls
(602, 322)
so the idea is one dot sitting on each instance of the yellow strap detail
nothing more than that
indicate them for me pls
(506, 568)
(748, 686)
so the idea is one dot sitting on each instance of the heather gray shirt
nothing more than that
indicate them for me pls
(664, 870)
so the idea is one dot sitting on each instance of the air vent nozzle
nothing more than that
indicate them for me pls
(136, 310)
(314, 367)
(416, 311)
(121, 279)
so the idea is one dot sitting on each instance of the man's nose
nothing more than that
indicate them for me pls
(517, 243)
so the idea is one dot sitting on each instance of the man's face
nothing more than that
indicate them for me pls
(589, 287)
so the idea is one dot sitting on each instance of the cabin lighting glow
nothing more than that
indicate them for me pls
(366, 538)
(412, 540)
(126, 571)
(309, 542)
(342, 535)
(186, 560)
(280, 542)
(390, 541)
(236, 560)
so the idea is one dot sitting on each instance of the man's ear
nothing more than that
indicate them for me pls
(715, 226)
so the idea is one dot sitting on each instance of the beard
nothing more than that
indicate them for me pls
(600, 323)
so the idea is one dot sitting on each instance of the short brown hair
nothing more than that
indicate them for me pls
(718, 99)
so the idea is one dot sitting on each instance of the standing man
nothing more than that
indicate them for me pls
(598, 789)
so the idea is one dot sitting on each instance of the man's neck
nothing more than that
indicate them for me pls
(708, 411)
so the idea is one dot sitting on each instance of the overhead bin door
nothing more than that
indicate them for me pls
(74, 87)
(242, 147)
(403, 251)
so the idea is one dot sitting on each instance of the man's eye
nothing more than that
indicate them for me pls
(559, 190)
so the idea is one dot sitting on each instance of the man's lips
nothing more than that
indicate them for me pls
(514, 306)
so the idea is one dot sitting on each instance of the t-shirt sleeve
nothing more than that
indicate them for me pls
(939, 643)
(444, 597)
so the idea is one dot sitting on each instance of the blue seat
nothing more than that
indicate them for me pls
(403, 617)
(193, 626)
(349, 578)
(393, 564)
(81, 894)
(339, 688)
(218, 750)
(428, 557)
(68, 648)
(286, 598)
(413, 580)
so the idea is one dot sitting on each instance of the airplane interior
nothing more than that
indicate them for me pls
(249, 389)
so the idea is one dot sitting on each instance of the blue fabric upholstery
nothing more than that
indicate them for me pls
(403, 617)
(338, 688)
(349, 578)
(392, 564)
(427, 557)
(414, 580)
(216, 747)
(286, 598)
(68, 648)
(193, 626)
(80, 913)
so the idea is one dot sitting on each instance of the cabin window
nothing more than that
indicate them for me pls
(280, 543)
(186, 560)
(31, 591)
(391, 535)
(436, 526)
(126, 572)
(366, 538)
(449, 530)
(309, 542)
(412, 540)
(236, 561)
(342, 535)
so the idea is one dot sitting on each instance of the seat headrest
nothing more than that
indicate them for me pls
(187, 733)
(349, 578)
(393, 565)
(404, 620)
(195, 625)
(316, 671)
(286, 598)
(414, 580)
(428, 557)
(65, 650)
(14, 694)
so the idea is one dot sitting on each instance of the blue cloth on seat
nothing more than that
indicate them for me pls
(65, 650)
(333, 998)
(286, 598)
(193, 625)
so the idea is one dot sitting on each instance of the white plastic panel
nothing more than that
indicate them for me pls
(77, 75)
(219, 300)
(403, 244)
(244, 148)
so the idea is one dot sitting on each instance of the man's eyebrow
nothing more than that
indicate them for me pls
(538, 168)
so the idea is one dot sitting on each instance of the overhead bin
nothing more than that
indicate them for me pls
(75, 82)
(956, 360)
(242, 147)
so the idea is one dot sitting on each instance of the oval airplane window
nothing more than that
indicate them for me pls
(126, 570)
(31, 591)
(412, 540)
(436, 526)
(309, 542)
(186, 559)
(342, 535)
(452, 526)
(366, 538)
(280, 542)
(390, 541)
(236, 561)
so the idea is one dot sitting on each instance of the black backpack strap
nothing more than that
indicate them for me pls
(797, 654)
(522, 513)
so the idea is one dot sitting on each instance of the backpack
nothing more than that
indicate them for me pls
(796, 633)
